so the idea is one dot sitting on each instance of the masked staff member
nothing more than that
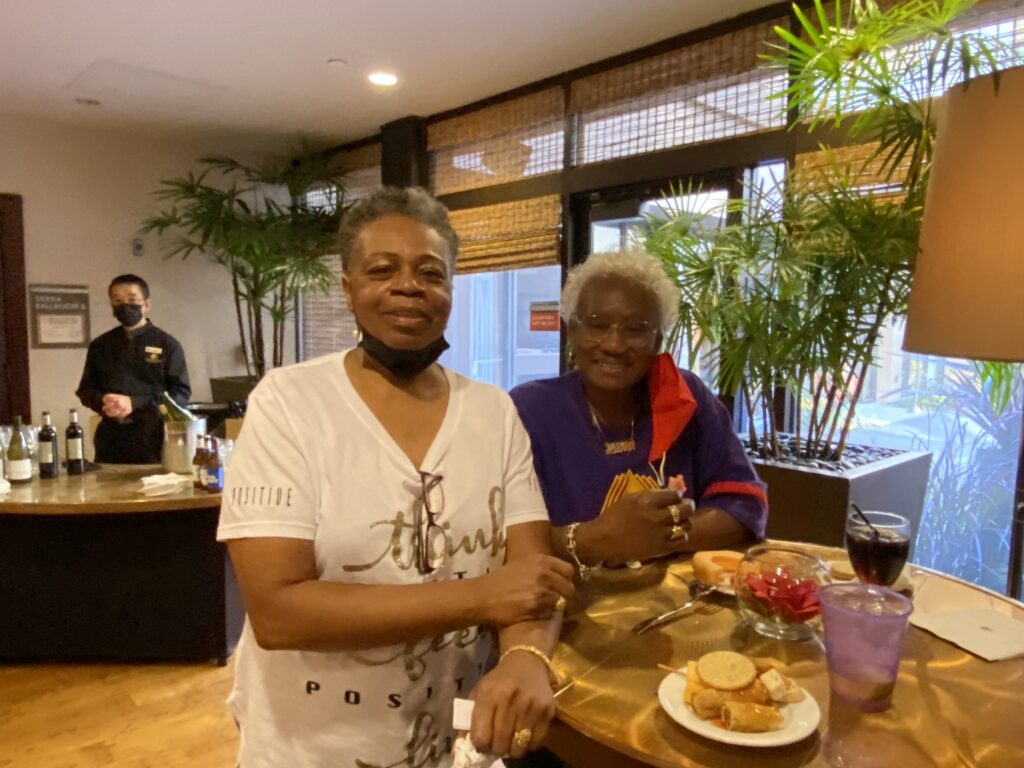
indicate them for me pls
(126, 371)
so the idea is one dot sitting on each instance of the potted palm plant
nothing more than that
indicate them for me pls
(258, 223)
(793, 294)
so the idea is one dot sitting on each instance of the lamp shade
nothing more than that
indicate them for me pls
(967, 295)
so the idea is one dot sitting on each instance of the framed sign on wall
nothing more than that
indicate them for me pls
(60, 316)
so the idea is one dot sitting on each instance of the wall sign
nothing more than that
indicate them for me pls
(60, 316)
(544, 316)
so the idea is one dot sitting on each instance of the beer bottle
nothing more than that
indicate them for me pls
(74, 445)
(204, 479)
(49, 456)
(19, 458)
(198, 461)
(214, 469)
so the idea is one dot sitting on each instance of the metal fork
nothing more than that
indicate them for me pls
(699, 592)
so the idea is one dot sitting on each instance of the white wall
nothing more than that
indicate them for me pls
(86, 191)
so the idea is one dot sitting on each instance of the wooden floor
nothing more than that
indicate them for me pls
(159, 716)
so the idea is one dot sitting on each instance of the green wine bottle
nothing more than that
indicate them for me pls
(74, 444)
(19, 458)
(49, 456)
(171, 411)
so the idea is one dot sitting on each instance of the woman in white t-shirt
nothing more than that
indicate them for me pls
(383, 516)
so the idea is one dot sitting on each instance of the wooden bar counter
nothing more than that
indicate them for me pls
(93, 570)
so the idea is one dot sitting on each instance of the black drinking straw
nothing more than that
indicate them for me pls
(875, 535)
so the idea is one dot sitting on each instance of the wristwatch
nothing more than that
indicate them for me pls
(586, 571)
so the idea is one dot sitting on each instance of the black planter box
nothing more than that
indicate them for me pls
(810, 504)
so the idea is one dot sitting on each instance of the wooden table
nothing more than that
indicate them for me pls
(950, 708)
(92, 569)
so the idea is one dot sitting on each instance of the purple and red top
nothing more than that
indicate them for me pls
(686, 425)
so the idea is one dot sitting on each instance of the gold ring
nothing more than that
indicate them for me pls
(678, 533)
(560, 603)
(523, 737)
(676, 514)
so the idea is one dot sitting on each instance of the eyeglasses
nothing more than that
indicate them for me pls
(428, 532)
(636, 333)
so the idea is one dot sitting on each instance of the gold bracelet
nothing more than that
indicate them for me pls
(585, 571)
(535, 651)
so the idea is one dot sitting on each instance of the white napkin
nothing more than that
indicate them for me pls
(161, 485)
(4, 486)
(465, 754)
(984, 632)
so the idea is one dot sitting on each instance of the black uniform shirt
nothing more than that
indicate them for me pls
(141, 365)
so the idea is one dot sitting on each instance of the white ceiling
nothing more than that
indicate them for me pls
(255, 70)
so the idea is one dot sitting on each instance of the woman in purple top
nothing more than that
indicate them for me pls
(636, 458)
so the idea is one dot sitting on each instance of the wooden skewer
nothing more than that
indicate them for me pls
(667, 668)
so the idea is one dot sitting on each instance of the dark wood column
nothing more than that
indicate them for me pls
(14, 385)
(404, 161)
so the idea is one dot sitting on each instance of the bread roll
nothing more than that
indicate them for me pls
(716, 566)
(750, 718)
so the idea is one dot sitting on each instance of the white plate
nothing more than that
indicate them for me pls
(799, 720)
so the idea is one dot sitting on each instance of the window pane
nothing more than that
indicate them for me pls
(489, 329)
(938, 404)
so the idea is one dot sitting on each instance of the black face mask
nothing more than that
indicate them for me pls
(403, 363)
(128, 315)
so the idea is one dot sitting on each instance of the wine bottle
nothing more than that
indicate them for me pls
(171, 411)
(74, 445)
(19, 458)
(49, 456)
(198, 461)
(214, 469)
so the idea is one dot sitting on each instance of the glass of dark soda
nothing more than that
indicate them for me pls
(877, 551)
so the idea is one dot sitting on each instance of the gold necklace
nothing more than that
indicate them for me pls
(614, 447)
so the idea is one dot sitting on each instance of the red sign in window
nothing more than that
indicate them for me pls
(544, 316)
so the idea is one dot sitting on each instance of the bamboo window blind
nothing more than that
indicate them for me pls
(524, 233)
(710, 90)
(506, 142)
(859, 163)
(327, 325)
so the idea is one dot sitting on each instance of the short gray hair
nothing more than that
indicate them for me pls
(637, 267)
(412, 202)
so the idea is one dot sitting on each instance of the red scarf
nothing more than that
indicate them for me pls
(672, 404)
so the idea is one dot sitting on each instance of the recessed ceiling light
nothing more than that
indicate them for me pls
(338, 62)
(382, 78)
(87, 102)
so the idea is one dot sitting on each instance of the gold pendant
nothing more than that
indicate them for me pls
(619, 446)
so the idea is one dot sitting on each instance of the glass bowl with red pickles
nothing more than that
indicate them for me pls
(777, 590)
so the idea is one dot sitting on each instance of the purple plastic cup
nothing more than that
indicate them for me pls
(864, 630)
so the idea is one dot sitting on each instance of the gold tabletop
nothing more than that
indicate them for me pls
(114, 488)
(950, 708)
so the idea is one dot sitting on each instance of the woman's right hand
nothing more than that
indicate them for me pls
(525, 589)
(637, 527)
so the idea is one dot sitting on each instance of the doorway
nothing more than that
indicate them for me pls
(14, 382)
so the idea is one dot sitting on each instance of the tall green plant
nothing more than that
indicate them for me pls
(796, 290)
(256, 223)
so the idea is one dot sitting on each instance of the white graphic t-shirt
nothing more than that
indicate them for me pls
(312, 462)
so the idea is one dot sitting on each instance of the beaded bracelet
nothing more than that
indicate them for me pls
(535, 651)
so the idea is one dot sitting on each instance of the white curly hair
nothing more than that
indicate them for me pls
(636, 266)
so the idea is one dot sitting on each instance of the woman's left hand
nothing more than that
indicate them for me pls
(514, 704)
